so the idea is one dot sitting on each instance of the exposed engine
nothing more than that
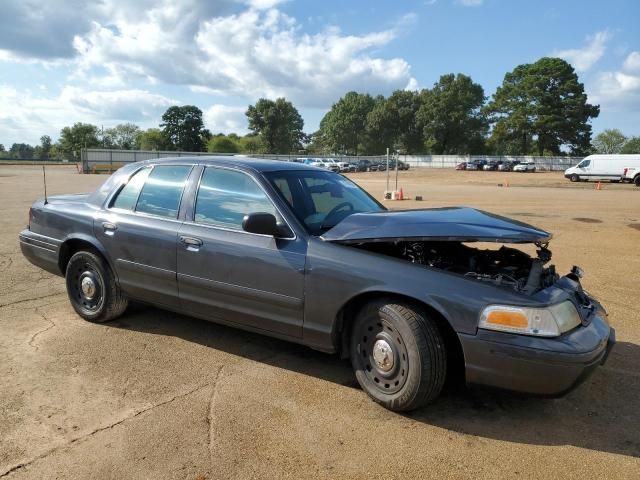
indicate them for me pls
(507, 267)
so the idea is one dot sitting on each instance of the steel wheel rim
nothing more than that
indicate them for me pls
(87, 287)
(382, 356)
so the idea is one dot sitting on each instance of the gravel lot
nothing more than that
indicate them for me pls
(158, 395)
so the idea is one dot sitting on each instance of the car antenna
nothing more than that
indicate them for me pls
(44, 176)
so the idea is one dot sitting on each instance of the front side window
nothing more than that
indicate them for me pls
(321, 200)
(128, 196)
(226, 196)
(162, 191)
(584, 164)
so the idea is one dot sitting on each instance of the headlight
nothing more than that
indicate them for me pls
(543, 322)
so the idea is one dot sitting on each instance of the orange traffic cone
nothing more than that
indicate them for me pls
(401, 195)
(506, 183)
(598, 186)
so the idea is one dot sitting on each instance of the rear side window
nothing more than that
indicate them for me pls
(226, 196)
(162, 191)
(128, 196)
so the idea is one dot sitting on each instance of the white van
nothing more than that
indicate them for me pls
(602, 167)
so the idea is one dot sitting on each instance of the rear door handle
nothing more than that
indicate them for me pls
(109, 227)
(192, 243)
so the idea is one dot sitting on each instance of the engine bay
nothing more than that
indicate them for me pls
(505, 267)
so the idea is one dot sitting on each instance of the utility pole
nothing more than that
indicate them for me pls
(387, 169)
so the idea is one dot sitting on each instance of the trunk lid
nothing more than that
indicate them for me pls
(443, 224)
(68, 198)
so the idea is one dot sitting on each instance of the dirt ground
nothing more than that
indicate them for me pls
(158, 395)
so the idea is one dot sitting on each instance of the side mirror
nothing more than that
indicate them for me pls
(261, 223)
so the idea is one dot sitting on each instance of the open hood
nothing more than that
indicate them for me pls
(434, 224)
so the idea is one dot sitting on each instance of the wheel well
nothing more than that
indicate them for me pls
(68, 248)
(455, 355)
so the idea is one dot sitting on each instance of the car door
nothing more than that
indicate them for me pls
(139, 229)
(229, 275)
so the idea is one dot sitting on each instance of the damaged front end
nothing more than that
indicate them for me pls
(504, 267)
(439, 238)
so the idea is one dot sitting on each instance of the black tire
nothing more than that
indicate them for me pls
(636, 181)
(417, 372)
(101, 299)
(574, 178)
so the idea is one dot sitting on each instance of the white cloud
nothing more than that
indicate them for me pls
(470, 3)
(618, 91)
(241, 48)
(254, 53)
(632, 62)
(584, 58)
(226, 119)
(26, 115)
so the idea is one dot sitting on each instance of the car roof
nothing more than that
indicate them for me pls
(240, 162)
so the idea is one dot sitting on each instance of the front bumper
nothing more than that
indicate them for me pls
(539, 366)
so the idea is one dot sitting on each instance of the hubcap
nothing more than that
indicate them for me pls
(88, 287)
(383, 355)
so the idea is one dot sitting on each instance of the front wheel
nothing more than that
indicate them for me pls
(92, 288)
(574, 178)
(637, 181)
(398, 355)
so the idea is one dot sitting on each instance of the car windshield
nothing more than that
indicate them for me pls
(320, 200)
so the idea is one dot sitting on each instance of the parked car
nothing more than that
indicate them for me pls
(306, 255)
(602, 167)
(363, 166)
(507, 166)
(330, 164)
(313, 162)
(527, 166)
(492, 165)
(348, 167)
(461, 166)
(401, 165)
(476, 165)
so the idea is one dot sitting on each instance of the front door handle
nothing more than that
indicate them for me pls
(109, 228)
(192, 243)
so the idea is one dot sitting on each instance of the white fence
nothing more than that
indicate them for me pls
(105, 160)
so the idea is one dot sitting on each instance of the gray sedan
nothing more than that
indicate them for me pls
(304, 254)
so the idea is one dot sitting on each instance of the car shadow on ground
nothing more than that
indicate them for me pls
(603, 414)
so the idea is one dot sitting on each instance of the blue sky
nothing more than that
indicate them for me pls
(115, 61)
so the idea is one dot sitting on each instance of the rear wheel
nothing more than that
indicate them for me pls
(92, 288)
(398, 355)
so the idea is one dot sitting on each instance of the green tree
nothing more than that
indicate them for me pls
(77, 137)
(543, 103)
(250, 144)
(609, 141)
(394, 123)
(632, 146)
(21, 151)
(344, 128)
(45, 146)
(123, 136)
(278, 123)
(2, 150)
(151, 139)
(451, 116)
(183, 129)
(222, 144)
